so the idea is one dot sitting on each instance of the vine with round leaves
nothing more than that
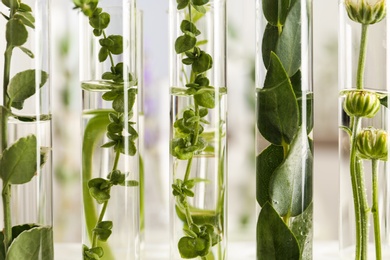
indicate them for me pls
(188, 140)
(120, 133)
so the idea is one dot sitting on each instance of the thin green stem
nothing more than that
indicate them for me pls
(109, 53)
(375, 210)
(356, 201)
(364, 208)
(6, 194)
(362, 57)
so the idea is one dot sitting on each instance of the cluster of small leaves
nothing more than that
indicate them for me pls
(187, 128)
(116, 128)
(20, 17)
(198, 240)
(284, 168)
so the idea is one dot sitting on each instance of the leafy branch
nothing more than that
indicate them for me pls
(284, 168)
(189, 138)
(121, 134)
(18, 162)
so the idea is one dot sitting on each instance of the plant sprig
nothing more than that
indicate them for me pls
(100, 188)
(18, 161)
(284, 168)
(188, 141)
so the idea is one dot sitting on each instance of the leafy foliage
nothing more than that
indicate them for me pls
(120, 130)
(20, 161)
(202, 229)
(284, 119)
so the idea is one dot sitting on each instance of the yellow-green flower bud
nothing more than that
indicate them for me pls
(366, 11)
(361, 103)
(372, 144)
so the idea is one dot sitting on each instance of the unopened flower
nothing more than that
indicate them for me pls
(372, 144)
(361, 103)
(366, 11)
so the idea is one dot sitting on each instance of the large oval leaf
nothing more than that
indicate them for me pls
(266, 163)
(22, 86)
(288, 47)
(275, 11)
(16, 33)
(274, 238)
(291, 184)
(270, 39)
(19, 161)
(278, 114)
(35, 243)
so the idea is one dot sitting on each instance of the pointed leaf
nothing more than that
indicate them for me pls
(27, 51)
(278, 114)
(27, 18)
(302, 227)
(275, 11)
(291, 183)
(270, 39)
(19, 161)
(274, 239)
(288, 47)
(266, 163)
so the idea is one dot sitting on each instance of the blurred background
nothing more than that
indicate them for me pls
(241, 54)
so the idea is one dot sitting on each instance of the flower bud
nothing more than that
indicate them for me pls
(366, 11)
(372, 144)
(361, 103)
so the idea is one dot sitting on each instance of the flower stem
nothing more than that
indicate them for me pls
(362, 57)
(356, 201)
(375, 210)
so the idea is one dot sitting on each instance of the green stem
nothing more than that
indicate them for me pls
(364, 208)
(362, 57)
(356, 200)
(6, 194)
(109, 53)
(375, 210)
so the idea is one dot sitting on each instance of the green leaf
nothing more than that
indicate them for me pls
(27, 51)
(26, 17)
(278, 114)
(24, 8)
(270, 39)
(184, 43)
(199, 2)
(100, 21)
(275, 11)
(203, 63)
(187, 26)
(22, 85)
(35, 243)
(16, 33)
(14, 4)
(19, 161)
(103, 54)
(291, 183)
(193, 247)
(274, 239)
(117, 47)
(181, 4)
(266, 163)
(205, 98)
(288, 47)
(119, 102)
(103, 230)
(302, 227)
